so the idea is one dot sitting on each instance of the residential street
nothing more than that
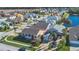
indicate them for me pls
(4, 47)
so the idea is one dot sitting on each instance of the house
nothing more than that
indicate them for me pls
(74, 33)
(52, 19)
(59, 28)
(4, 23)
(32, 16)
(49, 37)
(11, 19)
(15, 19)
(36, 31)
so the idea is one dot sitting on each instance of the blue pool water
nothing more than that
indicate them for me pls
(74, 43)
(74, 19)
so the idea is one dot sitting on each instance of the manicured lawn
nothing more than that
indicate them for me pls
(14, 39)
(10, 38)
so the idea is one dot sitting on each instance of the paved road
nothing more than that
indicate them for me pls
(4, 47)
(3, 34)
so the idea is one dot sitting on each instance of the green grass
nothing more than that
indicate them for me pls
(62, 46)
(12, 38)
(15, 45)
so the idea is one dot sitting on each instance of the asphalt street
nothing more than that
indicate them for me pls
(4, 47)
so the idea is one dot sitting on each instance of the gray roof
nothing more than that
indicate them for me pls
(34, 29)
(74, 32)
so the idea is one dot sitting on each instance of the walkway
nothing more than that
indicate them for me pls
(15, 42)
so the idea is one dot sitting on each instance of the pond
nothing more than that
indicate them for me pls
(74, 19)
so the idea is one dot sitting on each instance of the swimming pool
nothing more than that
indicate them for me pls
(74, 43)
(74, 19)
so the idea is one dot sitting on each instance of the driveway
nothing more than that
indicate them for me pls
(3, 34)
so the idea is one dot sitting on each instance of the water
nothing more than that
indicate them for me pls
(74, 43)
(74, 19)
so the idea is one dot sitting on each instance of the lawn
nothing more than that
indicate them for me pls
(14, 39)
(11, 38)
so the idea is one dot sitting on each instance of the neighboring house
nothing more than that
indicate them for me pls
(52, 19)
(11, 19)
(59, 28)
(19, 18)
(14, 19)
(74, 33)
(48, 35)
(5, 23)
(30, 15)
(36, 31)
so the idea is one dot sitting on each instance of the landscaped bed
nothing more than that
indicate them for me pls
(62, 46)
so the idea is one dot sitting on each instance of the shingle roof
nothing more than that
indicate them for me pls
(34, 29)
(74, 32)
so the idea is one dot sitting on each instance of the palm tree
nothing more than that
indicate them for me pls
(65, 31)
(78, 37)
(67, 40)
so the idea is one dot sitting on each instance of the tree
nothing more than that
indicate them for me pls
(59, 22)
(78, 37)
(65, 15)
(68, 22)
(49, 46)
(6, 27)
(14, 29)
(67, 40)
(54, 36)
(65, 31)
(42, 38)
